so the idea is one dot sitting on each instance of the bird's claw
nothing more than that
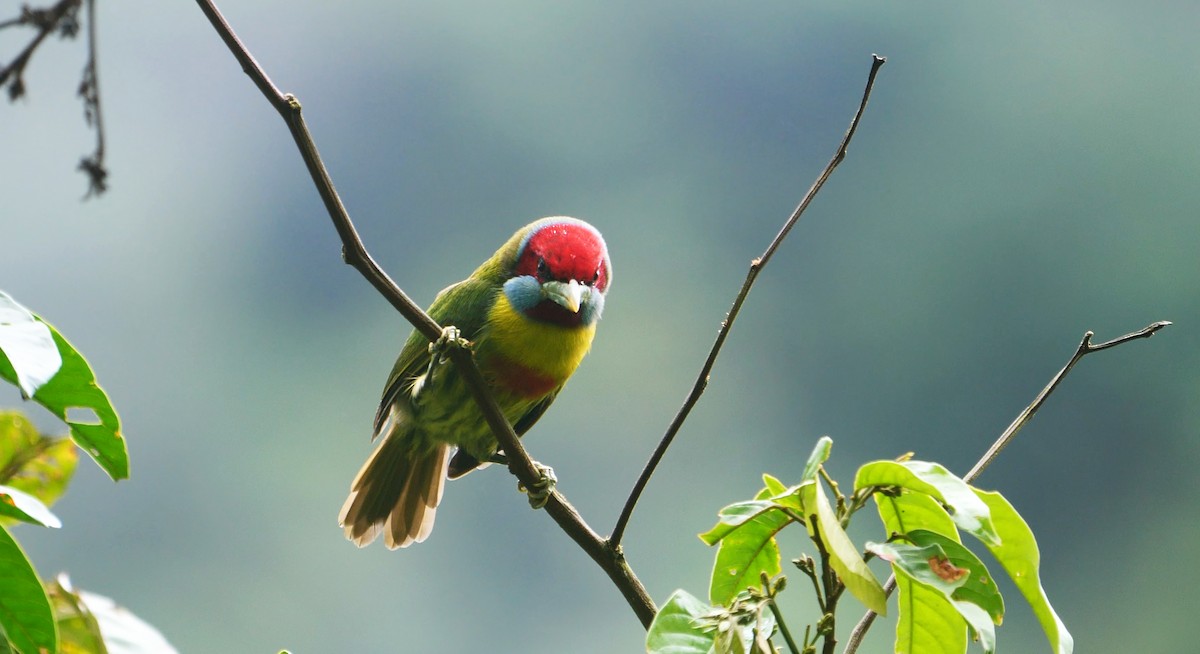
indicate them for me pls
(540, 492)
(451, 337)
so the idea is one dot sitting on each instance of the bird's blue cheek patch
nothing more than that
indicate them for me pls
(592, 307)
(523, 292)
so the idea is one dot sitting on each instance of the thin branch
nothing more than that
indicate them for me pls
(756, 266)
(62, 17)
(609, 558)
(1085, 348)
(46, 21)
(89, 90)
(783, 629)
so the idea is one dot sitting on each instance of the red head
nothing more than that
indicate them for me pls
(562, 272)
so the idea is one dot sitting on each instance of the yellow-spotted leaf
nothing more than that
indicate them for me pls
(744, 554)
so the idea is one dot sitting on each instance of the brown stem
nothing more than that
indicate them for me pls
(756, 266)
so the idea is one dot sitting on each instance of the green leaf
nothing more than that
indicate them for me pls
(926, 622)
(78, 631)
(26, 508)
(1019, 555)
(677, 627)
(909, 510)
(773, 485)
(74, 387)
(27, 345)
(819, 456)
(34, 463)
(25, 612)
(968, 511)
(746, 552)
(733, 516)
(774, 496)
(844, 557)
(945, 566)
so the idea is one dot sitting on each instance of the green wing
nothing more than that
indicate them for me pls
(464, 305)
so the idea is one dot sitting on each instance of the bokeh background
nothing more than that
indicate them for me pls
(1025, 172)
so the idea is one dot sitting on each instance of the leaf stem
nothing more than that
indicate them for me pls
(783, 629)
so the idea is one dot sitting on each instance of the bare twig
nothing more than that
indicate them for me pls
(46, 21)
(89, 90)
(1085, 348)
(63, 18)
(756, 266)
(610, 559)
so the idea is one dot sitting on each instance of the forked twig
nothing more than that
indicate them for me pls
(756, 266)
(355, 253)
(1085, 348)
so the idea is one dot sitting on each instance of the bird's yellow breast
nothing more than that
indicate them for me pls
(547, 350)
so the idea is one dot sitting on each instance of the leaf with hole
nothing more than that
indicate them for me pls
(72, 392)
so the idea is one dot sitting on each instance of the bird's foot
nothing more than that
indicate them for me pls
(540, 492)
(498, 458)
(438, 349)
(451, 337)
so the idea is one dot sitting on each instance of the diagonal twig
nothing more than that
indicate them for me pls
(1085, 348)
(756, 266)
(610, 559)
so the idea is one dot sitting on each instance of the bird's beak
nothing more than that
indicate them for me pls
(568, 294)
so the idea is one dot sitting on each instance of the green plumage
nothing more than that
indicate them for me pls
(428, 411)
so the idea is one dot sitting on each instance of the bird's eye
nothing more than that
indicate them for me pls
(543, 269)
(595, 278)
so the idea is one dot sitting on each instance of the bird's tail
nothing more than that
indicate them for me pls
(396, 492)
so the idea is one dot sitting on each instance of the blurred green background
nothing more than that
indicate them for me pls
(1025, 172)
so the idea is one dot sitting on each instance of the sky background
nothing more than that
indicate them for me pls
(1025, 172)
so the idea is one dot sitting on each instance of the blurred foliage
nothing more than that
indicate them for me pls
(35, 470)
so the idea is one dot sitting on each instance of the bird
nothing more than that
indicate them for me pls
(529, 315)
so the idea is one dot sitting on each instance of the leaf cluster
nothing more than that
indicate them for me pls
(35, 470)
(947, 597)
